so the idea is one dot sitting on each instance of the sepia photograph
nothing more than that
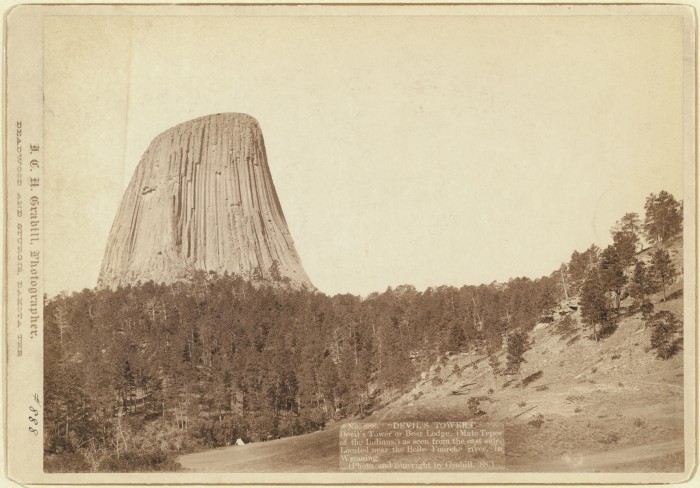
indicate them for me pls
(350, 244)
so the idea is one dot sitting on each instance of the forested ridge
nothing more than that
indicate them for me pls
(136, 375)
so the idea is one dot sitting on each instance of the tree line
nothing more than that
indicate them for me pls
(605, 277)
(137, 374)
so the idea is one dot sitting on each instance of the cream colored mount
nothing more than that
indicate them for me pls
(202, 198)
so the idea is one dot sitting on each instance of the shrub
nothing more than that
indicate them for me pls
(517, 344)
(609, 438)
(473, 407)
(647, 309)
(533, 377)
(567, 327)
(494, 363)
(664, 336)
(537, 421)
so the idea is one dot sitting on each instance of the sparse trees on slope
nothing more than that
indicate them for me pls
(218, 353)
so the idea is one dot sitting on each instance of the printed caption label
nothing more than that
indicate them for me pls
(421, 446)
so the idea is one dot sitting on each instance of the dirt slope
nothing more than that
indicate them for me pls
(596, 407)
(316, 452)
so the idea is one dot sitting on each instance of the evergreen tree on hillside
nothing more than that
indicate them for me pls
(662, 269)
(612, 272)
(595, 310)
(457, 341)
(581, 264)
(516, 346)
(630, 225)
(664, 337)
(642, 284)
(564, 280)
(625, 245)
(663, 218)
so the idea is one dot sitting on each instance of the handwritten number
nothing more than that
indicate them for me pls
(33, 420)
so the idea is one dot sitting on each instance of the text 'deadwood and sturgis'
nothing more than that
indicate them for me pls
(27, 237)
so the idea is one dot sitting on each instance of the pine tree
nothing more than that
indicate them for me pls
(612, 272)
(641, 286)
(457, 341)
(629, 224)
(516, 347)
(662, 269)
(594, 303)
(625, 245)
(581, 264)
(663, 218)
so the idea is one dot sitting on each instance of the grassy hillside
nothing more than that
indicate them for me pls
(604, 406)
(582, 367)
(592, 397)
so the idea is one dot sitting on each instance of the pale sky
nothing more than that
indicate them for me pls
(424, 150)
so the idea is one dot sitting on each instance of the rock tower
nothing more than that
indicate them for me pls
(202, 198)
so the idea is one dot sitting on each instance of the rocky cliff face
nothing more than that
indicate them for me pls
(202, 198)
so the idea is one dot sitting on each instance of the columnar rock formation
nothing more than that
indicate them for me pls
(202, 198)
